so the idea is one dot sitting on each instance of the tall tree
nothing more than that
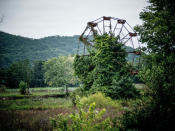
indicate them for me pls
(158, 73)
(38, 74)
(59, 72)
(19, 71)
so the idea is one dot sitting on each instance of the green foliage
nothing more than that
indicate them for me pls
(59, 72)
(123, 86)
(23, 87)
(158, 73)
(100, 99)
(138, 117)
(38, 103)
(3, 88)
(105, 69)
(90, 120)
(23, 70)
(37, 74)
(107, 60)
(158, 29)
(19, 71)
(75, 99)
(83, 67)
(14, 48)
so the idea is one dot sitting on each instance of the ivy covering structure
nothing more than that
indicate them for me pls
(104, 69)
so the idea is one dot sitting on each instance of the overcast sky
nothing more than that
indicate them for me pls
(40, 18)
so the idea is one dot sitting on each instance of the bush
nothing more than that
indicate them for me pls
(91, 120)
(100, 100)
(23, 87)
(122, 87)
(136, 117)
(80, 92)
(157, 114)
(3, 88)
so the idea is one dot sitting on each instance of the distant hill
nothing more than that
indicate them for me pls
(14, 48)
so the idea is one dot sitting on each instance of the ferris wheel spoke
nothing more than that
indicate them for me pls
(115, 28)
(125, 41)
(120, 30)
(126, 28)
(132, 42)
(99, 30)
(88, 34)
(124, 37)
(103, 27)
(97, 19)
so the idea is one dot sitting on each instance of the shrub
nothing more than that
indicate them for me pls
(76, 94)
(122, 87)
(100, 100)
(23, 87)
(3, 88)
(139, 116)
(90, 120)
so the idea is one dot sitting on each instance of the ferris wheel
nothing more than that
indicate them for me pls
(114, 27)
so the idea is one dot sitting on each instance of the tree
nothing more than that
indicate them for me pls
(19, 71)
(59, 72)
(158, 73)
(38, 74)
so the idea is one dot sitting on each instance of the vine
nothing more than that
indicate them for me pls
(105, 69)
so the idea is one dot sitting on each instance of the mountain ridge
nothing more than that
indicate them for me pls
(14, 48)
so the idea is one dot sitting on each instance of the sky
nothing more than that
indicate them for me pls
(41, 18)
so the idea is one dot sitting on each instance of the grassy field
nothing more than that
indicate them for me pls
(39, 98)
(35, 92)
(28, 103)
(33, 112)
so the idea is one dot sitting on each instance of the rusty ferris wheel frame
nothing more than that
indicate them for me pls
(115, 27)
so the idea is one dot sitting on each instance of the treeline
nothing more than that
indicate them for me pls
(53, 72)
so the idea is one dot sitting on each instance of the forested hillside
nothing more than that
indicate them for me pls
(14, 48)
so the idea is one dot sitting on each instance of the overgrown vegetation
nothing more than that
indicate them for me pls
(2, 88)
(102, 102)
(105, 69)
(158, 73)
(90, 120)
(23, 87)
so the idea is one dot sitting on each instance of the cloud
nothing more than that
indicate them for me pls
(39, 18)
